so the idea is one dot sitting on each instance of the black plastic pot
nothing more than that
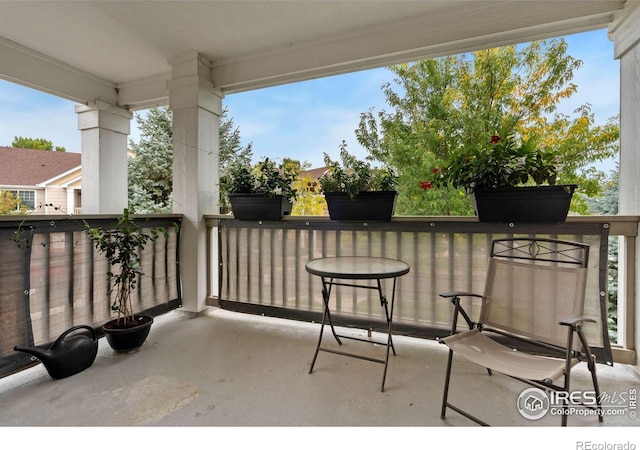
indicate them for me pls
(259, 206)
(374, 206)
(125, 340)
(523, 204)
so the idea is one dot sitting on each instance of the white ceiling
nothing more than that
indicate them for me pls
(120, 51)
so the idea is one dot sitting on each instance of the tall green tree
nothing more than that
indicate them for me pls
(151, 159)
(36, 144)
(151, 163)
(443, 106)
(231, 149)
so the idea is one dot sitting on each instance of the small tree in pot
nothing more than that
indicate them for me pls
(121, 244)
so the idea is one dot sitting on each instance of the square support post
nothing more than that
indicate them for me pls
(104, 130)
(197, 108)
(626, 36)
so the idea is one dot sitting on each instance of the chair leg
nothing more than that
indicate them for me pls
(567, 382)
(447, 379)
(596, 387)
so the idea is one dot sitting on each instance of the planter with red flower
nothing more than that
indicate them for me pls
(507, 182)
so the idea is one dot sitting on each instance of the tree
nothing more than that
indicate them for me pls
(445, 105)
(10, 204)
(309, 201)
(607, 204)
(151, 161)
(36, 144)
(231, 151)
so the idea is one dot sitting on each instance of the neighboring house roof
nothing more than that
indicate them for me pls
(26, 167)
(314, 174)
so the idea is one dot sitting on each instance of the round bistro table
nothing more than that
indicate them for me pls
(344, 271)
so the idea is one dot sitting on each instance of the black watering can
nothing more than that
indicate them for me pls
(69, 354)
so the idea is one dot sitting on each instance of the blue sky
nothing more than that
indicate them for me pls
(306, 119)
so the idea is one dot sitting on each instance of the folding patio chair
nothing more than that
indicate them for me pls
(530, 315)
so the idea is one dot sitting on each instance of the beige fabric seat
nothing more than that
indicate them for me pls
(531, 316)
(482, 350)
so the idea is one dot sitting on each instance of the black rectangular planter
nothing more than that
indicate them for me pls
(259, 206)
(376, 206)
(523, 204)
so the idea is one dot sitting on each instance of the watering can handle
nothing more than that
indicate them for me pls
(77, 327)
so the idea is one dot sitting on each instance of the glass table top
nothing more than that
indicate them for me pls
(357, 267)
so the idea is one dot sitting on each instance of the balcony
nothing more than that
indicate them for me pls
(223, 367)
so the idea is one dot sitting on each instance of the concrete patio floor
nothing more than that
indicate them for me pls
(226, 369)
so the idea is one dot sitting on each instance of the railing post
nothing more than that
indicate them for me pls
(626, 291)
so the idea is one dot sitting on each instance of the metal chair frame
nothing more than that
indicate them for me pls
(531, 249)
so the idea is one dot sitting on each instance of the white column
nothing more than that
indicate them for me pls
(104, 131)
(626, 36)
(197, 108)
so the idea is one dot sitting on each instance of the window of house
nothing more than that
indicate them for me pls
(28, 198)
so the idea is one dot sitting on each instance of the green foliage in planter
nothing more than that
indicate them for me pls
(353, 176)
(266, 177)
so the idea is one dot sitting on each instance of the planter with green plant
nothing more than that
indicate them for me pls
(507, 182)
(122, 244)
(263, 191)
(355, 190)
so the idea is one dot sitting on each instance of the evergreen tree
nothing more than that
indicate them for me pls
(231, 151)
(151, 159)
(607, 204)
(151, 163)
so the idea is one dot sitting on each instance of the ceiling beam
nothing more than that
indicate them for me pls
(393, 45)
(27, 67)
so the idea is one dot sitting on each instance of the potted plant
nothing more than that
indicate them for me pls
(355, 190)
(263, 191)
(507, 182)
(121, 244)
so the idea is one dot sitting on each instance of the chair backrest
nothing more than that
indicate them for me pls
(534, 283)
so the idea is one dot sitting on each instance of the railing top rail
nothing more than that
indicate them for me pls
(618, 225)
(75, 222)
(46, 217)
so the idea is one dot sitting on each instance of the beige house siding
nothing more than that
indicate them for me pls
(54, 178)
(55, 201)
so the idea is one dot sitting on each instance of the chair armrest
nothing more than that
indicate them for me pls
(574, 324)
(572, 321)
(459, 294)
(455, 299)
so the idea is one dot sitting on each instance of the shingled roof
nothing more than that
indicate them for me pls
(25, 167)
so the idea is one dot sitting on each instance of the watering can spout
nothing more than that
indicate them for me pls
(40, 353)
